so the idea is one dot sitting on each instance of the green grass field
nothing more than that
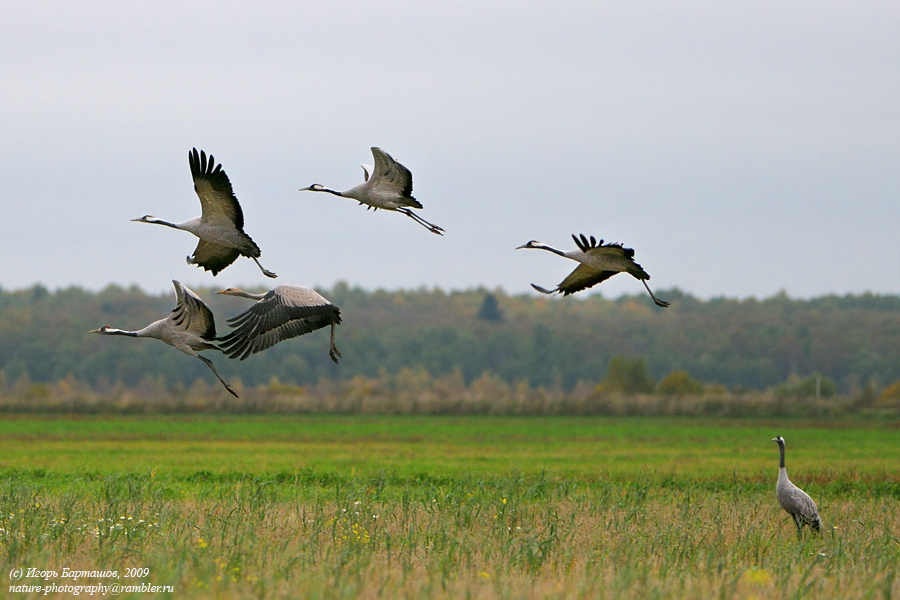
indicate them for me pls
(447, 507)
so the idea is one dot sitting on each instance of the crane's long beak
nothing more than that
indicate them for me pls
(95, 330)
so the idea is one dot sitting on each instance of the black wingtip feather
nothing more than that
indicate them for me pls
(584, 244)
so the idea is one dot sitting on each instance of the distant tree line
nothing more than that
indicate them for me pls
(823, 346)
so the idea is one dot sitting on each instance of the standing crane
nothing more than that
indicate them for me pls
(220, 227)
(282, 313)
(387, 186)
(599, 262)
(190, 327)
(795, 501)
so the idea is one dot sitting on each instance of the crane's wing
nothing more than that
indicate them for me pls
(582, 278)
(367, 171)
(283, 313)
(213, 257)
(616, 257)
(584, 244)
(796, 501)
(391, 174)
(191, 314)
(610, 250)
(217, 198)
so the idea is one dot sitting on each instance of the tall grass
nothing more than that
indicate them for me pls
(507, 536)
(421, 530)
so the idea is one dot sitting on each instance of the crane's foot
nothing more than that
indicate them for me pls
(264, 270)
(656, 300)
(334, 354)
(543, 290)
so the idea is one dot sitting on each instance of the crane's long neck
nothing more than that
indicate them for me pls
(243, 294)
(781, 448)
(319, 188)
(156, 221)
(111, 331)
(551, 249)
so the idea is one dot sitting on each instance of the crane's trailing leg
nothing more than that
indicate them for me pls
(265, 271)
(211, 366)
(333, 351)
(658, 302)
(542, 290)
(429, 226)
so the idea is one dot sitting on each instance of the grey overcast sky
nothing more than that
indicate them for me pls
(741, 148)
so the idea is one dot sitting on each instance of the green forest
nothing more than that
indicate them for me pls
(844, 343)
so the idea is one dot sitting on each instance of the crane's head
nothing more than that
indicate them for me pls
(147, 219)
(103, 329)
(778, 440)
(231, 291)
(532, 244)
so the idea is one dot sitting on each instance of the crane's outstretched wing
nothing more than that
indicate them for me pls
(214, 189)
(584, 244)
(618, 258)
(191, 313)
(283, 313)
(582, 278)
(391, 174)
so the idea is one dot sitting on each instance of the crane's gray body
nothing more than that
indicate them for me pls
(219, 231)
(793, 500)
(220, 225)
(190, 328)
(599, 262)
(387, 186)
(284, 312)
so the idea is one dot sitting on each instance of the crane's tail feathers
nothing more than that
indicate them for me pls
(815, 524)
(543, 290)
(656, 300)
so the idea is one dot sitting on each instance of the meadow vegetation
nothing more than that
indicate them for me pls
(469, 445)
(453, 507)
